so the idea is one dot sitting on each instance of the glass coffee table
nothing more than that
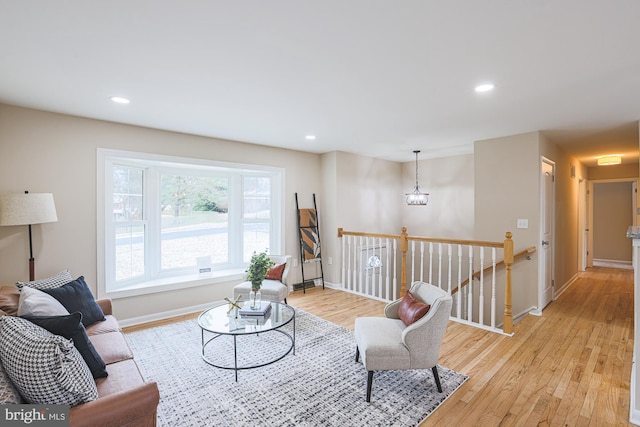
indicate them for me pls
(221, 324)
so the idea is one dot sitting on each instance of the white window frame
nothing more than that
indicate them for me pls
(164, 281)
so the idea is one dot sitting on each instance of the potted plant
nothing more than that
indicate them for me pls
(258, 267)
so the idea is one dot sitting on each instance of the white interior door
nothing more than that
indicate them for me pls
(582, 224)
(546, 233)
(589, 230)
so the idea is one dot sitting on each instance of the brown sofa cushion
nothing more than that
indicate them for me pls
(110, 324)
(112, 346)
(9, 298)
(123, 375)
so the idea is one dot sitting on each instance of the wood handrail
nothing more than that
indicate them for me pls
(521, 254)
(342, 232)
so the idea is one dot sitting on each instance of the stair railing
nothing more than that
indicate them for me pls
(369, 266)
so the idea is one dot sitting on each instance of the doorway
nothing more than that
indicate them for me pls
(612, 209)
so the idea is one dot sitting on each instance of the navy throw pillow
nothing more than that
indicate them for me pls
(70, 326)
(76, 296)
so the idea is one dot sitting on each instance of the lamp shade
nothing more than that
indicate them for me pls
(26, 209)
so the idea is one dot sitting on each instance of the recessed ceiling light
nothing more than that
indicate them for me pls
(485, 87)
(119, 100)
(310, 137)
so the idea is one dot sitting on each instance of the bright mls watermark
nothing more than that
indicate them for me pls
(34, 415)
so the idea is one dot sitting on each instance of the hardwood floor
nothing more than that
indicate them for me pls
(570, 367)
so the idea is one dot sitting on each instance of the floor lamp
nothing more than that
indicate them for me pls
(27, 209)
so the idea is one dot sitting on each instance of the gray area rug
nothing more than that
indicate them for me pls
(321, 385)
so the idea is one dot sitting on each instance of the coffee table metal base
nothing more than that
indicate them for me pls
(235, 366)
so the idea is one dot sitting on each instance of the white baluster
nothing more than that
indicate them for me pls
(493, 288)
(460, 291)
(343, 276)
(449, 253)
(440, 265)
(367, 289)
(422, 261)
(388, 269)
(395, 269)
(470, 295)
(430, 262)
(413, 261)
(357, 269)
(481, 302)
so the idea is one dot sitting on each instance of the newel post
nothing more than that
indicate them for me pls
(404, 247)
(508, 261)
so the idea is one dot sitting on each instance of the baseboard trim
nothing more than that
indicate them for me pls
(566, 286)
(612, 263)
(132, 321)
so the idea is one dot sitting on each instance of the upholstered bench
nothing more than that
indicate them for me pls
(274, 287)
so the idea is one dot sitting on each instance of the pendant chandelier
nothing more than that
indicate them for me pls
(416, 197)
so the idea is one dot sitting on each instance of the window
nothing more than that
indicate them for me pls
(162, 217)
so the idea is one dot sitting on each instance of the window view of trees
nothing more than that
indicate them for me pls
(163, 216)
(194, 218)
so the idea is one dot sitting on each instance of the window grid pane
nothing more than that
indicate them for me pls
(256, 197)
(256, 239)
(194, 220)
(129, 228)
(129, 254)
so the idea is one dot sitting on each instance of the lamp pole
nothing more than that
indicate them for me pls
(32, 261)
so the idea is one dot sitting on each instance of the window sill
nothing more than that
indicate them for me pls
(174, 283)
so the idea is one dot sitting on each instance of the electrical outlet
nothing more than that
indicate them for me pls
(330, 260)
(295, 262)
(522, 223)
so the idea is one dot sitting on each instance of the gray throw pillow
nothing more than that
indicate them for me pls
(59, 279)
(45, 368)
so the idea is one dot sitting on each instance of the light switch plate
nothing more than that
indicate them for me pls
(523, 223)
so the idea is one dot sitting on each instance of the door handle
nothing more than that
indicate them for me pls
(545, 242)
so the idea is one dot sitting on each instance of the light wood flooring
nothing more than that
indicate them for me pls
(570, 367)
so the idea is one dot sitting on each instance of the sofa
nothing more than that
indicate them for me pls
(124, 398)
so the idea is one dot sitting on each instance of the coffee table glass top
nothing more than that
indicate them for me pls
(217, 320)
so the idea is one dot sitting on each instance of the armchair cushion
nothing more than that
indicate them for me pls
(411, 309)
(380, 341)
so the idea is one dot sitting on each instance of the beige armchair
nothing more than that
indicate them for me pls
(386, 343)
(271, 290)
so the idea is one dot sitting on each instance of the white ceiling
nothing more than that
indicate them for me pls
(378, 78)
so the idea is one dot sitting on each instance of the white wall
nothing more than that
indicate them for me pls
(450, 184)
(362, 194)
(47, 152)
(507, 189)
